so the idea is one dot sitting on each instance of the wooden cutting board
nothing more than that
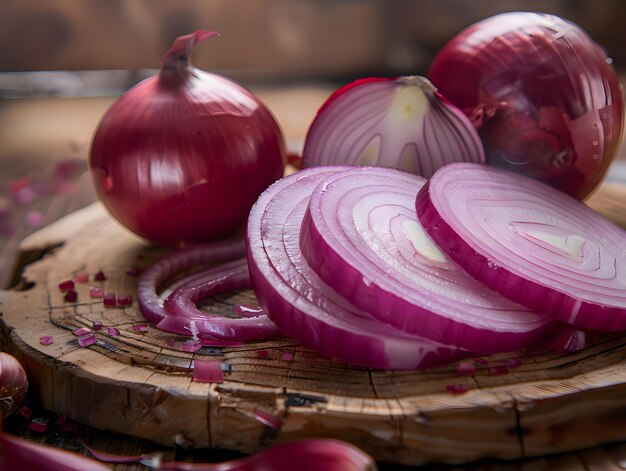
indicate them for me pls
(523, 404)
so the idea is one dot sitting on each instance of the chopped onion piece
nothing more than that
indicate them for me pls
(25, 412)
(307, 309)
(192, 345)
(268, 419)
(530, 242)
(71, 296)
(38, 425)
(361, 235)
(99, 276)
(81, 331)
(96, 292)
(87, 340)
(66, 285)
(113, 332)
(398, 122)
(124, 300)
(207, 371)
(140, 327)
(97, 325)
(457, 388)
(109, 300)
(81, 277)
(46, 340)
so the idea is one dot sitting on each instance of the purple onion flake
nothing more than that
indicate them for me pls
(46, 340)
(113, 332)
(87, 340)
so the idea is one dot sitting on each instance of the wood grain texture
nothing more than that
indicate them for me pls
(136, 384)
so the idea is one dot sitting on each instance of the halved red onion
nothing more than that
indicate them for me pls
(530, 242)
(362, 236)
(398, 122)
(183, 317)
(307, 309)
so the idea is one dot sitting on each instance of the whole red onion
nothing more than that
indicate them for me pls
(182, 156)
(543, 95)
(13, 384)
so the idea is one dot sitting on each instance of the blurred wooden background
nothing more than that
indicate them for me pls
(271, 39)
(62, 62)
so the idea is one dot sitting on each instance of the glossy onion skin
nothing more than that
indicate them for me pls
(182, 160)
(543, 95)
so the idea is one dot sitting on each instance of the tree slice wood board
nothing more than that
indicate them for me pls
(140, 383)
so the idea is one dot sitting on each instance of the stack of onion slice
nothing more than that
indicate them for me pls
(381, 268)
(530, 242)
(328, 239)
(309, 310)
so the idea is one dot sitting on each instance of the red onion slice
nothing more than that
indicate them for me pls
(183, 317)
(530, 242)
(150, 302)
(307, 309)
(361, 235)
(391, 122)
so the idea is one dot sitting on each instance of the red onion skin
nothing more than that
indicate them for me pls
(544, 97)
(13, 384)
(182, 156)
(17, 453)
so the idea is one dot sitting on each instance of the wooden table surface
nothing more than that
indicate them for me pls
(38, 134)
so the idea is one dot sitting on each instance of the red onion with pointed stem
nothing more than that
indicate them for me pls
(181, 157)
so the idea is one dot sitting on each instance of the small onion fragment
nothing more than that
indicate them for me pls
(391, 122)
(207, 371)
(46, 340)
(87, 340)
(307, 309)
(530, 242)
(71, 296)
(361, 235)
(109, 299)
